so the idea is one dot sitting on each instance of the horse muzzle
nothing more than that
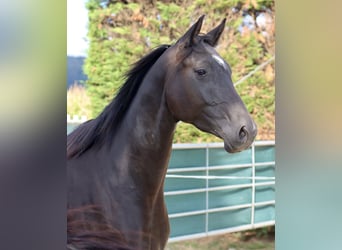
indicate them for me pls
(241, 139)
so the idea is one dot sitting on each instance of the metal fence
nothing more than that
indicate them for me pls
(209, 191)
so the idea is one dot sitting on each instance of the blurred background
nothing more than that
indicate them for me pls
(33, 97)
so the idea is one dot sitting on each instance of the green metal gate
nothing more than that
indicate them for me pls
(209, 191)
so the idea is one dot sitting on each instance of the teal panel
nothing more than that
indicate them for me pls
(218, 157)
(264, 213)
(264, 153)
(71, 127)
(264, 193)
(225, 198)
(227, 219)
(182, 158)
(185, 202)
(187, 225)
(175, 184)
(240, 172)
(265, 171)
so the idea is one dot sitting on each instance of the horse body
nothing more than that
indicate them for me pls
(116, 167)
(130, 172)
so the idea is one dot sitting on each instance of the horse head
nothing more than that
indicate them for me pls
(200, 91)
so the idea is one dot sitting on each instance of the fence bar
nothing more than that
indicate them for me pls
(220, 167)
(200, 190)
(211, 210)
(216, 145)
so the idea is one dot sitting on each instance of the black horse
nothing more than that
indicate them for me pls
(117, 162)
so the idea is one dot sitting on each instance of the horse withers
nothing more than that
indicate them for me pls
(117, 162)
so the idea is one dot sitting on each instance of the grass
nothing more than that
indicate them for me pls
(259, 239)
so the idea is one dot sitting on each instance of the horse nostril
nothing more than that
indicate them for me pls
(243, 133)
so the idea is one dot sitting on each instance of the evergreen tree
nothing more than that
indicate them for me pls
(121, 32)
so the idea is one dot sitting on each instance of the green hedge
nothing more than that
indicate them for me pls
(121, 33)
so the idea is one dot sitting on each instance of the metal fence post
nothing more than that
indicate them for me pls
(207, 191)
(253, 185)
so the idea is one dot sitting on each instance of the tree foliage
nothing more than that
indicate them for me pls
(121, 32)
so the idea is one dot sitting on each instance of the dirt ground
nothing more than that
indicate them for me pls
(261, 239)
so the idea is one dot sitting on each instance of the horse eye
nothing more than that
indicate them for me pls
(201, 72)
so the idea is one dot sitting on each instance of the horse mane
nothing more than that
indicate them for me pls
(103, 128)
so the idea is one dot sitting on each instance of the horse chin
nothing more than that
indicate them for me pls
(231, 149)
(227, 145)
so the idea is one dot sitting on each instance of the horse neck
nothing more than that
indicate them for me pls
(147, 131)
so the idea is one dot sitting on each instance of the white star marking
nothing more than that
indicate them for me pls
(220, 61)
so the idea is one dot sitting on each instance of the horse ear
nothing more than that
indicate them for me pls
(213, 36)
(189, 37)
